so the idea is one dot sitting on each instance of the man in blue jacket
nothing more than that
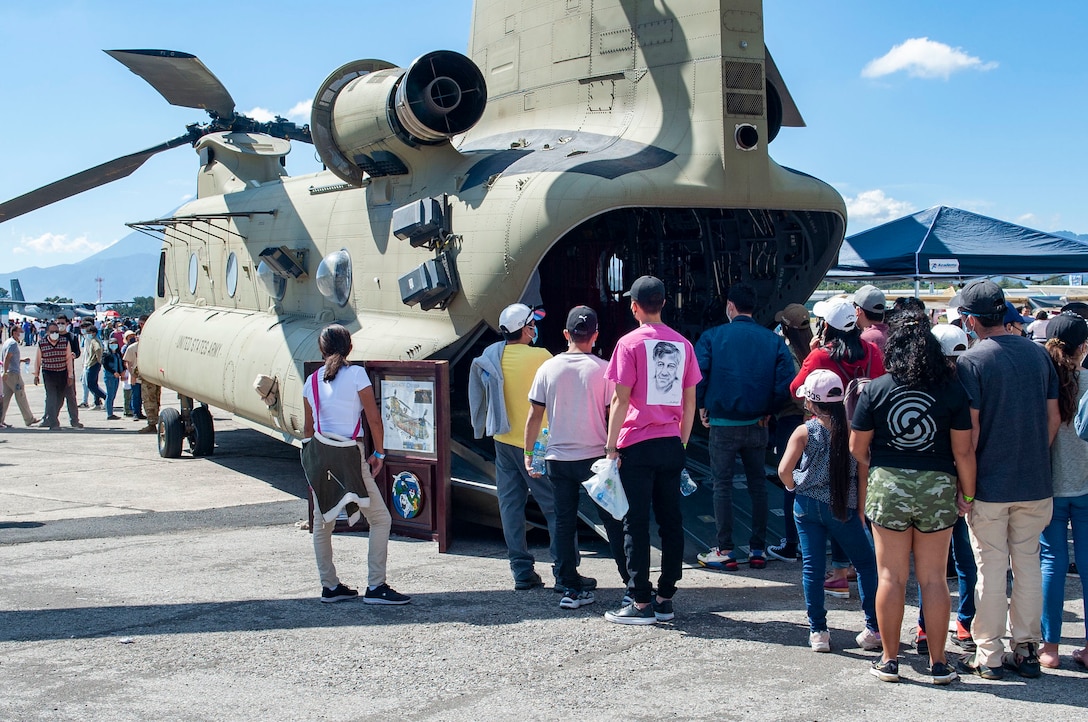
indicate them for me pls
(746, 376)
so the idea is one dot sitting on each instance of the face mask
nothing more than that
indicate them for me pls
(536, 334)
(63, 328)
(54, 336)
(113, 347)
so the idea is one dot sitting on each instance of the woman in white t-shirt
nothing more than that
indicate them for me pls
(343, 393)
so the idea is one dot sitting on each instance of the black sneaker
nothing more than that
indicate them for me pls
(941, 673)
(575, 598)
(339, 594)
(885, 671)
(784, 551)
(530, 582)
(587, 583)
(631, 614)
(663, 611)
(1023, 660)
(965, 666)
(384, 594)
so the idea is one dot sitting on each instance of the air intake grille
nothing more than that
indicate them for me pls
(744, 104)
(743, 76)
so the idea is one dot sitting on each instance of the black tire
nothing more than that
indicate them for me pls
(171, 433)
(202, 440)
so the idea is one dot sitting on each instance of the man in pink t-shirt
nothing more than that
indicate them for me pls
(655, 373)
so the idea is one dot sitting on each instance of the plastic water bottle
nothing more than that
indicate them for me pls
(539, 448)
(687, 484)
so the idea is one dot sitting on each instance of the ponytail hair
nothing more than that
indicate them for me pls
(839, 455)
(335, 345)
(1065, 364)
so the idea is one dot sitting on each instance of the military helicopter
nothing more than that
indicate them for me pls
(577, 146)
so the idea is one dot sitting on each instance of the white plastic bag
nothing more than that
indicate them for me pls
(605, 489)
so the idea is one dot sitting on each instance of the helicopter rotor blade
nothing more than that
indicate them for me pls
(179, 77)
(84, 180)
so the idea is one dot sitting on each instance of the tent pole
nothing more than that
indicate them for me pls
(917, 286)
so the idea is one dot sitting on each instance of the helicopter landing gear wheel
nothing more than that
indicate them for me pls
(170, 434)
(202, 436)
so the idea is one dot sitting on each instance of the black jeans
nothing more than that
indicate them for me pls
(93, 372)
(750, 443)
(650, 474)
(56, 383)
(567, 478)
(783, 430)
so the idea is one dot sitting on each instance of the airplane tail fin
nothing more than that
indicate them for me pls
(17, 290)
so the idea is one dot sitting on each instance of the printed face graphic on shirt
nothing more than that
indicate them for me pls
(665, 361)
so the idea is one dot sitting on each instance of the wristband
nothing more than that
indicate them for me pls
(610, 449)
(378, 455)
(968, 499)
(528, 454)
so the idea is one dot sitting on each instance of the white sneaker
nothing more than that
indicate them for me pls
(869, 640)
(820, 641)
(573, 599)
(714, 555)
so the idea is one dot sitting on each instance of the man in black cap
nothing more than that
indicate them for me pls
(1011, 383)
(648, 427)
(572, 389)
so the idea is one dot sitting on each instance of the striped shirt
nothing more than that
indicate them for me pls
(54, 358)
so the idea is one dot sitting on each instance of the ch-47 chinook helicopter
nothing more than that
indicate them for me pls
(577, 146)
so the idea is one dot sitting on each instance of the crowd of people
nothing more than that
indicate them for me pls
(896, 442)
(48, 351)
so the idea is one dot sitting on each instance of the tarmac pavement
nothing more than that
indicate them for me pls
(134, 587)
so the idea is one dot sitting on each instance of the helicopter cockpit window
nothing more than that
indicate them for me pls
(275, 286)
(334, 277)
(232, 274)
(194, 272)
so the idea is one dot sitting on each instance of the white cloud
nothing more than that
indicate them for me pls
(871, 207)
(299, 113)
(924, 58)
(186, 198)
(52, 244)
(1026, 218)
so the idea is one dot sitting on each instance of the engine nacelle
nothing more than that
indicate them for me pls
(368, 112)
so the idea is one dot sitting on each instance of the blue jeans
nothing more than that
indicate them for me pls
(815, 523)
(1054, 559)
(90, 377)
(513, 484)
(750, 443)
(111, 392)
(137, 401)
(966, 573)
(567, 478)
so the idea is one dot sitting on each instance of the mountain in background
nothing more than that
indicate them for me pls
(127, 269)
(1072, 236)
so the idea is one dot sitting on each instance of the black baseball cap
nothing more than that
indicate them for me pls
(581, 323)
(1069, 328)
(980, 298)
(647, 291)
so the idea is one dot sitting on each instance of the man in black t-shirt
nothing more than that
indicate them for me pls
(1011, 383)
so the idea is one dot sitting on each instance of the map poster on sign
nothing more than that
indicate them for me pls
(407, 408)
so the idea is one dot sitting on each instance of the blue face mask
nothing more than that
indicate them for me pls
(536, 334)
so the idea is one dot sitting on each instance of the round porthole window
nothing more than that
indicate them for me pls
(194, 270)
(275, 286)
(232, 274)
(334, 277)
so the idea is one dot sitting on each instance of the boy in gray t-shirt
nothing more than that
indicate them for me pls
(573, 390)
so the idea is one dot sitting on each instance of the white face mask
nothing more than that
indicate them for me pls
(63, 328)
(54, 336)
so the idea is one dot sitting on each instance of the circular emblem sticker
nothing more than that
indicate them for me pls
(407, 495)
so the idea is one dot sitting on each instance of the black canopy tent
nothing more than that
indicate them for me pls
(943, 242)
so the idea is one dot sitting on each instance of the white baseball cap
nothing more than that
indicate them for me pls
(515, 316)
(953, 339)
(838, 312)
(822, 386)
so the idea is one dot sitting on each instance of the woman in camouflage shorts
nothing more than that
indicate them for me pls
(912, 427)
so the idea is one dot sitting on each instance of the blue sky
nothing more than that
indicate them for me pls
(909, 105)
